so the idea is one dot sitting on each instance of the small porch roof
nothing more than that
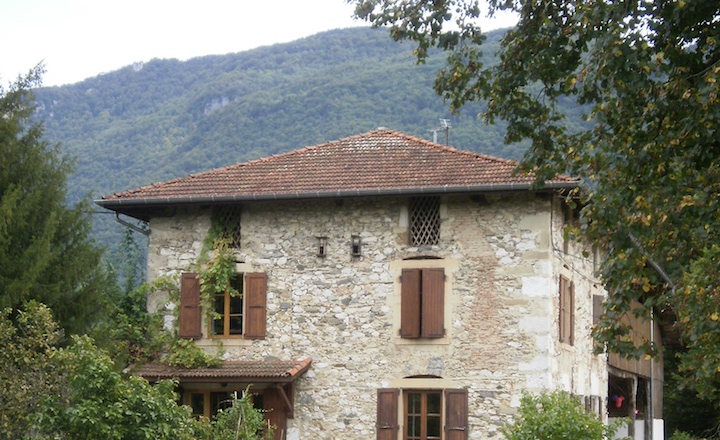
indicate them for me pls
(255, 371)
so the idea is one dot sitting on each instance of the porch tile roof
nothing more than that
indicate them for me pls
(246, 370)
(378, 162)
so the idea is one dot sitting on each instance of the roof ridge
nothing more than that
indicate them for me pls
(455, 150)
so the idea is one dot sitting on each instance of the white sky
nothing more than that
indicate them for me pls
(78, 39)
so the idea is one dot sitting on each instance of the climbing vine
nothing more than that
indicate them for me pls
(215, 270)
(184, 353)
(216, 277)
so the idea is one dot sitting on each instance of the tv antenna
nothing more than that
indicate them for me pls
(444, 125)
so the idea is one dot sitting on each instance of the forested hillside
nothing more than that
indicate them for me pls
(165, 118)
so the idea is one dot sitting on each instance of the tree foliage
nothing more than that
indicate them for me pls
(648, 75)
(98, 402)
(45, 250)
(556, 416)
(26, 371)
(76, 391)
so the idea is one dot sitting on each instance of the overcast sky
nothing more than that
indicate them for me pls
(78, 39)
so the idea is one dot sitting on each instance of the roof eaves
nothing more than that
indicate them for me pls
(146, 201)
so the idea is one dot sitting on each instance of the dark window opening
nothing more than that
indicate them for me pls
(208, 403)
(356, 246)
(619, 396)
(321, 246)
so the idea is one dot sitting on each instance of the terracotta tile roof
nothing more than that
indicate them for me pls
(250, 371)
(378, 162)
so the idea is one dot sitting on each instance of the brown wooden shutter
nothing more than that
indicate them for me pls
(562, 328)
(567, 313)
(571, 294)
(433, 303)
(410, 303)
(456, 409)
(190, 317)
(255, 298)
(387, 413)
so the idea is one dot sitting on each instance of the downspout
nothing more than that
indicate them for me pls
(135, 228)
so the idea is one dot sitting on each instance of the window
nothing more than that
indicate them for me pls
(423, 415)
(422, 303)
(228, 309)
(567, 312)
(242, 316)
(227, 217)
(207, 403)
(424, 221)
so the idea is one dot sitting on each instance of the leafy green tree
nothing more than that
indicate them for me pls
(100, 403)
(77, 392)
(45, 250)
(556, 416)
(648, 75)
(26, 371)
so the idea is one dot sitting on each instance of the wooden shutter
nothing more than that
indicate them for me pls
(567, 313)
(571, 294)
(562, 318)
(387, 413)
(456, 414)
(255, 298)
(433, 303)
(410, 303)
(190, 317)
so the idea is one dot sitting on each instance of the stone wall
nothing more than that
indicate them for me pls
(502, 267)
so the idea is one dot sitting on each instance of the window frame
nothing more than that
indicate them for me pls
(424, 414)
(227, 314)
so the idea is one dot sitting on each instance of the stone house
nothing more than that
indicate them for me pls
(393, 288)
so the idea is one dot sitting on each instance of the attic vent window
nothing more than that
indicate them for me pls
(424, 221)
(227, 219)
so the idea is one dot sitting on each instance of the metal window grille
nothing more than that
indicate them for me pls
(424, 221)
(227, 217)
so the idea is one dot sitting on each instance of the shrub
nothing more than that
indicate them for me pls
(556, 416)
